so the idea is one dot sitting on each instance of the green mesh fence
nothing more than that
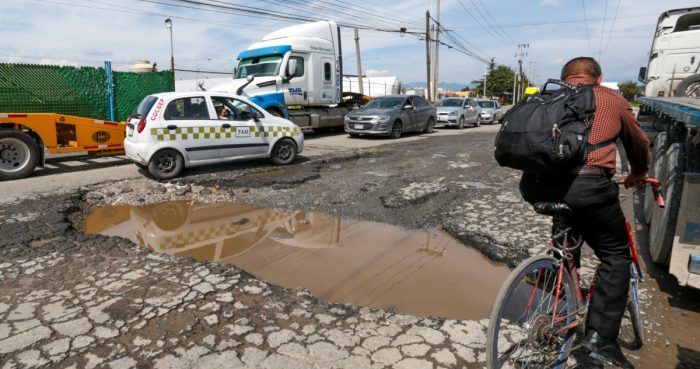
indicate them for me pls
(30, 88)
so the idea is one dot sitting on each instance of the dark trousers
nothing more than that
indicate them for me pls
(599, 218)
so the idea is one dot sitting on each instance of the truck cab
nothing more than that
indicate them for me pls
(296, 66)
(674, 59)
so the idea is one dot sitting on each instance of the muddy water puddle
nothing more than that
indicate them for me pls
(426, 273)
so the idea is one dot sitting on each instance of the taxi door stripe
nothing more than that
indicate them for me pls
(216, 147)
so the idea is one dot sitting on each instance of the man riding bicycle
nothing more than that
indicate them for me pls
(593, 198)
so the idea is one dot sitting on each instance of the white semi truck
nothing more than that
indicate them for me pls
(670, 115)
(297, 74)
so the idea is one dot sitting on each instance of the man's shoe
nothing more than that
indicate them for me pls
(605, 350)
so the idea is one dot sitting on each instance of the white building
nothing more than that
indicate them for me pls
(373, 86)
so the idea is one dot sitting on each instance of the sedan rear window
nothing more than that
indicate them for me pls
(450, 103)
(146, 105)
(486, 104)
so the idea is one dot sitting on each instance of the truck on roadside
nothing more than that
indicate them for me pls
(669, 114)
(297, 75)
(26, 137)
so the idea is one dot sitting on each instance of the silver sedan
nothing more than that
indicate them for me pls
(457, 112)
(391, 116)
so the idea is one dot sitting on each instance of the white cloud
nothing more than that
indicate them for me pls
(376, 73)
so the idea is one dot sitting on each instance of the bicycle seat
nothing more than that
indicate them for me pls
(552, 208)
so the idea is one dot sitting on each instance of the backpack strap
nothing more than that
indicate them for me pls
(600, 145)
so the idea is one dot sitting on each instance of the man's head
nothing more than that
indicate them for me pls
(582, 67)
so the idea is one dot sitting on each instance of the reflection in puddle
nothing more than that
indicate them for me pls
(339, 260)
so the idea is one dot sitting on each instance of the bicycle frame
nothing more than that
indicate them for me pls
(565, 262)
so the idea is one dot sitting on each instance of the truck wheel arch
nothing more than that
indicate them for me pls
(274, 110)
(682, 88)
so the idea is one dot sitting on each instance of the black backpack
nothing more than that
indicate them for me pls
(547, 133)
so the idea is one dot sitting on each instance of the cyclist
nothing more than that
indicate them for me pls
(593, 197)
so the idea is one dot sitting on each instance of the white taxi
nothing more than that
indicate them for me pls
(174, 130)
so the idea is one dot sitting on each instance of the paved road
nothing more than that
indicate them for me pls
(65, 174)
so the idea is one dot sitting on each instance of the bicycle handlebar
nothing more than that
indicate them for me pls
(655, 189)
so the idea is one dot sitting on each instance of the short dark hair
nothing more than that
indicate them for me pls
(581, 66)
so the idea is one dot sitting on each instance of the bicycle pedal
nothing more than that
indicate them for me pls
(601, 359)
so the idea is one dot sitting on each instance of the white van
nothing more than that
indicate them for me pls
(174, 130)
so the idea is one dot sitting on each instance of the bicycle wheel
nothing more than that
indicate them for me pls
(631, 334)
(523, 331)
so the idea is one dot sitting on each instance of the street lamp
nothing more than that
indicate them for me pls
(169, 26)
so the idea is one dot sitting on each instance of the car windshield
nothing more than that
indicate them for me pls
(145, 105)
(450, 103)
(384, 103)
(260, 66)
(486, 104)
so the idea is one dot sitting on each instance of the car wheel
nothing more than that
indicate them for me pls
(166, 164)
(461, 123)
(18, 154)
(396, 129)
(430, 126)
(284, 152)
(478, 121)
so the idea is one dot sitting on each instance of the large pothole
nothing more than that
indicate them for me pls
(426, 273)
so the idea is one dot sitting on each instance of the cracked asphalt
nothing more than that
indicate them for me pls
(75, 300)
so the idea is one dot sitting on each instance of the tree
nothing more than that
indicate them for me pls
(500, 82)
(630, 89)
(466, 88)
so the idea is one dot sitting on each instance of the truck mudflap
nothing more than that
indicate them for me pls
(686, 242)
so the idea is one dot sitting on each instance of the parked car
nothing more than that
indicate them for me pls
(391, 115)
(174, 130)
(456, 112)
(491, 111)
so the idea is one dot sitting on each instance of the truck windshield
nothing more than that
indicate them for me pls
(450, 103)
(384, 103)
(486, 104)
(260, 66)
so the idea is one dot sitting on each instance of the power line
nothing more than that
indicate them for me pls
(489, 23)
(496, 22)
(479, 23)
(588, 37)
(612, 27)
(602, 31)
(568, 21)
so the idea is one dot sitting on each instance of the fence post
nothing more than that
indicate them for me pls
(110, 91)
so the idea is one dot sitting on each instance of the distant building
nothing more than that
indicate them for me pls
(142, 66)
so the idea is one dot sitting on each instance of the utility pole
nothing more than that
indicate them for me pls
(169, 26)
(359, 63)
(489, 68)
(521, 55)
(436, 64)
(515, 86)
(427, 52)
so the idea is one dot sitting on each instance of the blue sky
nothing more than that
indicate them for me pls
(91, 31)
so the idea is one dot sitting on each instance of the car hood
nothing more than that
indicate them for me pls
(447, 109)
(370, 112)
(487, 110)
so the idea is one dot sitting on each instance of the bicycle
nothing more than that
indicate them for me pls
(541, 308)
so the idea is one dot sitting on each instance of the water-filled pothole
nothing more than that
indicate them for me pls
(339, 260)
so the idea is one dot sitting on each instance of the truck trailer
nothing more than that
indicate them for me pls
(669, 114)
(297, 74)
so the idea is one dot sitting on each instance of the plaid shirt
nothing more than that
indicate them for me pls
(614, 118)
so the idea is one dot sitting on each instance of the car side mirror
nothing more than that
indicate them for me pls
(408, 107)
(642, 74)
(247, 115)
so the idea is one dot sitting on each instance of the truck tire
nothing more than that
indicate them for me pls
(19, 154)
(660, 146)
(690, 87)
(663, 222)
